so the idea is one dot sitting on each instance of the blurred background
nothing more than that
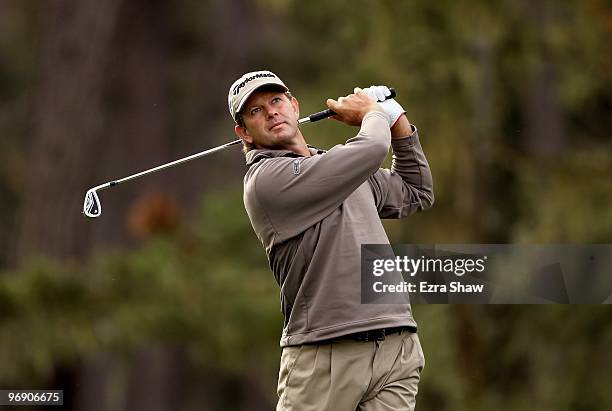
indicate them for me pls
(166, 302)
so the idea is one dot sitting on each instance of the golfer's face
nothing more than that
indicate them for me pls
(271, 118)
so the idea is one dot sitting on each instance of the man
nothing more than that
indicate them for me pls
(312, 210)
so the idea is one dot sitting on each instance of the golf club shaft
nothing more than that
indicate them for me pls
(309, 119)
(167, 165)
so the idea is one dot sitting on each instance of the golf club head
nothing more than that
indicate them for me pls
(91, 206)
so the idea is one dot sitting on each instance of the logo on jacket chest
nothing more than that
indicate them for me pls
(297, 167)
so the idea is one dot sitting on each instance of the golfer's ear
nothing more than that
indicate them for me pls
(296, 106)
(243, 134)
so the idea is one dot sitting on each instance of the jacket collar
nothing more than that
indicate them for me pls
(256, 155)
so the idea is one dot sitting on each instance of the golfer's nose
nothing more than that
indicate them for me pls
(271, 111)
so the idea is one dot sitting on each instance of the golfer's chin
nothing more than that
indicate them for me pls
(279, 138)
(282, 135)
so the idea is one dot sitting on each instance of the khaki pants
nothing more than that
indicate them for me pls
(348, 375)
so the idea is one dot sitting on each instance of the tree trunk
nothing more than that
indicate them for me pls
(138, 137)
(68, 125)
(545, 130)
(155, 380)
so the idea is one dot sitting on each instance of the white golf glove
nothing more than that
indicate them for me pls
(379, 93)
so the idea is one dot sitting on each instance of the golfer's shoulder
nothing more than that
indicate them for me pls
(267, 175)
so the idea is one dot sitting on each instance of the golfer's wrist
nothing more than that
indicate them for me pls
(401, 128)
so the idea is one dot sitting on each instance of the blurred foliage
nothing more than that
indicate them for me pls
(515, 357)
(202, 290)
(208, 290)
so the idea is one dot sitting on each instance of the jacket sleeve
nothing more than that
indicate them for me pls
(296, 193)
(408, 186)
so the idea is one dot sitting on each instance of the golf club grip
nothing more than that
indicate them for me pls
(329, 112)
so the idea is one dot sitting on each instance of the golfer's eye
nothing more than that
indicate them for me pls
(276, 100)
(255, 110)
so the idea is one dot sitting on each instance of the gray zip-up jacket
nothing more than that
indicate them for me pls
(312, 215)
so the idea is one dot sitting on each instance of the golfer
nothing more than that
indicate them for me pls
(312, 210)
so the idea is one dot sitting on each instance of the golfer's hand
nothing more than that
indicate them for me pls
(393, 109)
(352, 108)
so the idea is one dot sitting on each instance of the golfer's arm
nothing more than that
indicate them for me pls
(401, 128)
(408, 186)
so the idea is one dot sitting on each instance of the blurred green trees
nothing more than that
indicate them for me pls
(206, 292)
(202, 291)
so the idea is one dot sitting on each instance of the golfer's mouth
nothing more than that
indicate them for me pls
(276, 126)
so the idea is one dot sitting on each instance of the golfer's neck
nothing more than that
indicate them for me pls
(298, 145)
(300, 148)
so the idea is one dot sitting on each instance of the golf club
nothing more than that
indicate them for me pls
(92, 207)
